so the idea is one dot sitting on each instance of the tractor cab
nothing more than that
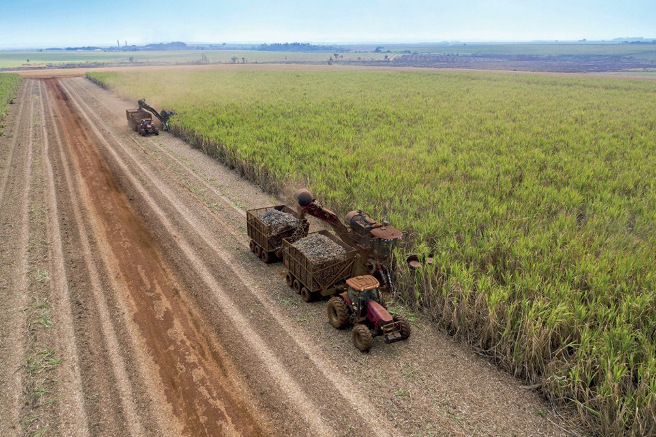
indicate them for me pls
(363, 289)
(364, 295)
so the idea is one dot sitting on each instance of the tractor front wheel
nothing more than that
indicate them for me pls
(338, 314)
(405, 326)
(306, 295)
(362, 338)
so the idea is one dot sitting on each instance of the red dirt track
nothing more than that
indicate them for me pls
(130, 304)
(145, 274)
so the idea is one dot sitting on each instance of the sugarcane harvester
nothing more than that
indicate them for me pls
(162, 116)
(362, 305)
(374, 241)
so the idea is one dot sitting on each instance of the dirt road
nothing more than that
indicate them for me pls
(131, 304)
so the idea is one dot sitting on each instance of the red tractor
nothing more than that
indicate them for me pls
(140, 121)
(363, 307)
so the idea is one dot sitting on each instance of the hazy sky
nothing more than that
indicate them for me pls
(46, 23)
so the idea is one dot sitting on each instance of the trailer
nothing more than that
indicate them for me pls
(141, 121)
(311, 279)
(266, 242)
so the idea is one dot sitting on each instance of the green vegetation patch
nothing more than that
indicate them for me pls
(9, 84)
(535, 195)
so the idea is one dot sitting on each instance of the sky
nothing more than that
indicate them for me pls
(60, 23)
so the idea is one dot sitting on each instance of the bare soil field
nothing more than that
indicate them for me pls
(131, 304)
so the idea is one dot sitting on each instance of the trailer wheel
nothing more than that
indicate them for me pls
(266, 257)
(362, 338)
(306, 295)
(405, 326)
(258, 251)
(252, 246)
(338, 315)
(296, 285)
(289, 279)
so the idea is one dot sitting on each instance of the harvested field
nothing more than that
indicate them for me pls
(132, 306)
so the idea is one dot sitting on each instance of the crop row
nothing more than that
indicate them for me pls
(535, 195)
(9, 84)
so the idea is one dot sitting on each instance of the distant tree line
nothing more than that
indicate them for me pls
(297, 47)
(175, 45)
(80, 48)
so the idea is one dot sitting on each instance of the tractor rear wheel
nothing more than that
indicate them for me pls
(266, 257)
(405, 326)
(296, 285)
(289, 279)
(142, 133)
(362, 338)
(338, 314)
(306, 295)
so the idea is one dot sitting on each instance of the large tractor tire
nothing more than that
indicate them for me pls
(307, 295)
(405, 326)
(338, 314)
(362, 338)
(142, 133)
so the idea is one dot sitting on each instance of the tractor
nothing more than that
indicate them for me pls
(362, 307)
(140, 121)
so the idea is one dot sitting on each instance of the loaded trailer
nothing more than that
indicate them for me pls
(141, 121)
(323, 275)
(267, 227)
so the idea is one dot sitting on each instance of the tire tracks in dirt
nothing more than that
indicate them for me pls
(231, 225)
(73, 416)
(275, 367)
(178, 346)
(101, 337)
(14, 234)
(319, 365)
